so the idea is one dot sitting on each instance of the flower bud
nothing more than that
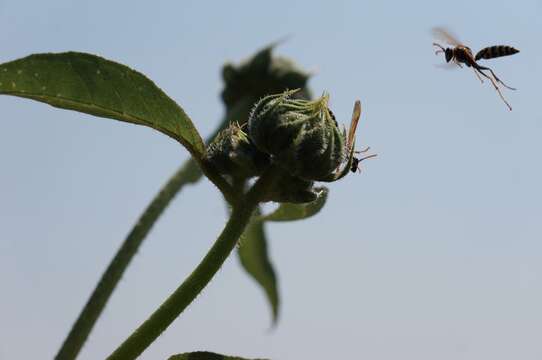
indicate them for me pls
(301, 136)
(233, 154)
(261, 75)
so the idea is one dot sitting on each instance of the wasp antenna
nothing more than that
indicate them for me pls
(362, 151)
(368, 157)
(355, 163)
(440, 50)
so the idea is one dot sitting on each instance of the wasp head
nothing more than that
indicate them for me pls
(449, 54)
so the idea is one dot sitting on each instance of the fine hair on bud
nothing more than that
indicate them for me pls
(301, 136)
(233, 154)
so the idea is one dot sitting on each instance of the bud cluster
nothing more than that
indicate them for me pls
(299, 137)
(233, 154)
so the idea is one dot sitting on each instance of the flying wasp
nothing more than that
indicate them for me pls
(356, 114)
(461, 54)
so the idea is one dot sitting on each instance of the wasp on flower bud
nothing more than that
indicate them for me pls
(298, 138)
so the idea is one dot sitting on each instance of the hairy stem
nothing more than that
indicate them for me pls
(188, 173)
(112, 275)
(212, 174)
(174, 305)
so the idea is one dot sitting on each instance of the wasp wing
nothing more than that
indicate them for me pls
(356, 114)
(445, 35)
(447, 66)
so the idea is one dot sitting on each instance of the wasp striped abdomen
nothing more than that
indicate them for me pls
(495, 51)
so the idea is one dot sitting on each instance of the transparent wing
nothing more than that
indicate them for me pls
(446, 36)
(447, 66)
(356, 114)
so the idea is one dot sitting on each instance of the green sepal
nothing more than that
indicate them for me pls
(293, 212)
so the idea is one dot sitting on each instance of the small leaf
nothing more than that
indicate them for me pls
(96, 86)
(205, 355)
(255, 259)
(292, 212)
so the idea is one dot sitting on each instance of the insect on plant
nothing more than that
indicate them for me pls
(461, 54)
(356, 114)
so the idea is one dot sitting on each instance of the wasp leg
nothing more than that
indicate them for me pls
(495, 76)
(458, 64)
(478, 75)
(496, 87)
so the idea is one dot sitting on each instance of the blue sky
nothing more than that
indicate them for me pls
(433, 252)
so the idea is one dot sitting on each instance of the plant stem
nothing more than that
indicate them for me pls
(188, 173)
(174, 305)
(112, 275)
(212, 174)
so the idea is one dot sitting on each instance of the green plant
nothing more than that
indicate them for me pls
(279, 136)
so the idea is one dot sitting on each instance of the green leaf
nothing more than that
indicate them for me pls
(96, 86)
(253, 247)
(291, 212)
(205, 355)
(255, 259)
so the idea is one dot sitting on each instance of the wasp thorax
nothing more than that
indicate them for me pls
(301, 136)
(232, 153)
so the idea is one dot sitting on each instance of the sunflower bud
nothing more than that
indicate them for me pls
(261, 75)
(301, 136)
(233, 154)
